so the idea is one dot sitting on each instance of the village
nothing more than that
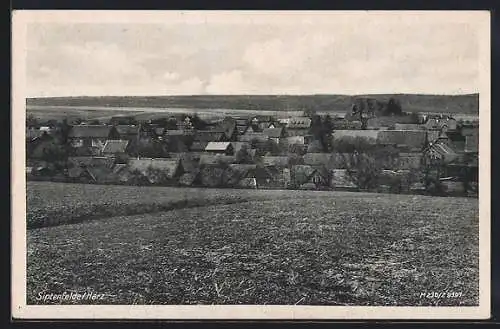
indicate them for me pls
(376, 146)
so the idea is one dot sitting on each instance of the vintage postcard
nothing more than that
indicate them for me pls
(251, 165)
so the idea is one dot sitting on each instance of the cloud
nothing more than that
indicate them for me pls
(370, 55)
(170, 76)
(232, 82)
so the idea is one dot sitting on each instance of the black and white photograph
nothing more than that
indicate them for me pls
(251, 164)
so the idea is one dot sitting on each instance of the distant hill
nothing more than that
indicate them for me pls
(466, 104)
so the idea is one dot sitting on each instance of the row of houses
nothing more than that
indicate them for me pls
(208, 157)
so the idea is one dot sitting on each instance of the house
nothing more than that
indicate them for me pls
(343, 124)
(242, 125)
(229, 128)
(234, 173)
(198, 146)
(250, 136)
(128, 132)
(49, 130)
(91, 161)
(265, 125)
(408, 139)
(220, 148)
(209, 136)
(369, 135)
(115, 147)
(92, 136)
(122, 120)
(275, 161)
(189, 161)
(306, 176)
(298, 126)
(216, 159)
(237, 146)
(32, 132)
(408, 161)
(432, 135)
(274, 134)
(158, 170)
(38, 147)
(408, 126)
(178, 140)
(439, 151)
(326, 160)
(456, 140)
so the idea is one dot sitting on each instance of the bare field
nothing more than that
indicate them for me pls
(276, 247)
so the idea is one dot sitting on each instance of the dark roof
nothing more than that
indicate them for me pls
(242, 121)
(278, 161)
(239, 145)
(198, 146)
(208, 136)
(410, 138)
(228, 126)
(115, 146)
(213, 159)
(127, 129)
(273, 132)
(302, 173)
(177, 132)
(249, 136)
(90, 131)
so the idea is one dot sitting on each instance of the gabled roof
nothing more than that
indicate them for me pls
(217, 146)
(410, 138)
(408, 126)
(441, 151)
(198, 146)
(278, 161)
(302, 173)
(228, 126)
(209, 136)
(115, 146)
(235, 172)
(127, 129)
(316, 159)
(248, 137)
(239, 145)
(242, 121)
(370, 135)
(273, 132)
(214, 159)
(90, 131)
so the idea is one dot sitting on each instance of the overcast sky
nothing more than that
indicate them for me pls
(340, 54)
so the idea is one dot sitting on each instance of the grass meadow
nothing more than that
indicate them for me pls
(146, 245)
